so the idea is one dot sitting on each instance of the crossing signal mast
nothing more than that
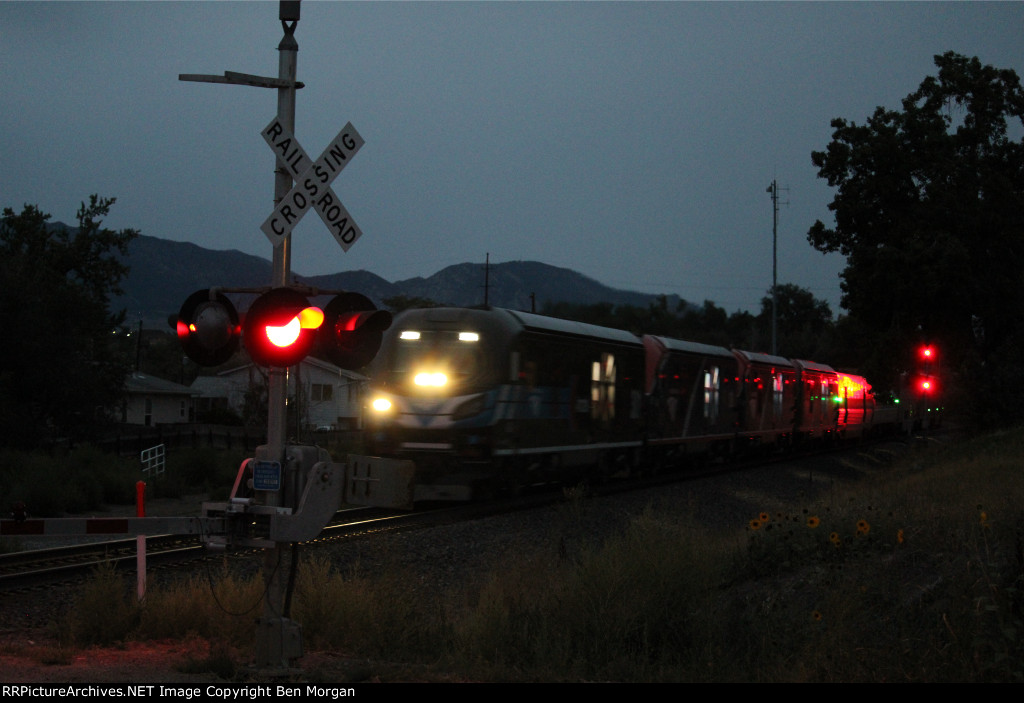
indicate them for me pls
(285, 494)
(278, 331)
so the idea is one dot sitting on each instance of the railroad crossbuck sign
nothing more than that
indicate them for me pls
(312, 184)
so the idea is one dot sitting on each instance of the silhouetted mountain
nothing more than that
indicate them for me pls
(164, 273)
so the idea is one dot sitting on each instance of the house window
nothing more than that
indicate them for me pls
(321, 392)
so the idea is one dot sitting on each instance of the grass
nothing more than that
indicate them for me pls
(85, 479)
(915, 573)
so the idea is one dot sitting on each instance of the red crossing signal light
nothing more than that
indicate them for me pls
(352, 331)
(280, 328)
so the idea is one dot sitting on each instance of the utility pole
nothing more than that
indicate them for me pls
(487, 280)
(773, 189)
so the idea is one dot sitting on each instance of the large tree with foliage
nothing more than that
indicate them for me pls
(60, 369)
(929, 211)
(803, 323)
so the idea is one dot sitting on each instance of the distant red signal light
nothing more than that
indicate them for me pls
(927, 385)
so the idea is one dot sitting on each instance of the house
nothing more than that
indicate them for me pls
(328, 397)
(153, 401)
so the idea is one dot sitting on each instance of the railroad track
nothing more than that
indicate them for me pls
(45, 567)
(68, 563)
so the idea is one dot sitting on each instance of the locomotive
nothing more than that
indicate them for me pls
(486, 400)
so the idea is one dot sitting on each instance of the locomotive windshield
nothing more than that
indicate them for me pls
(433, 361)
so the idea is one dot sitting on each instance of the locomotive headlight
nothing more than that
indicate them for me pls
(381, 405)
(434, 379)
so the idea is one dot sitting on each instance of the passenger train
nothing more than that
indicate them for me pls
(485, 400)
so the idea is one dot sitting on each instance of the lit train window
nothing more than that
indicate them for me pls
(711, 393)
(602, 388)
(777, 394)
(409, 335)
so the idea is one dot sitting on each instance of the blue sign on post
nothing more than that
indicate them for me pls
(266, 475)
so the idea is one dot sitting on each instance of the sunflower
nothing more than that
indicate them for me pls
(899, 536)
(813, 521)
(834, 538)
(765, 517)
(816, 616)
(863, 527)
(754, 524)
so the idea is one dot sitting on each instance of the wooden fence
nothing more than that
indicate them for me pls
(130, 440)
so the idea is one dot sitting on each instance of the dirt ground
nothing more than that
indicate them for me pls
(33, 658)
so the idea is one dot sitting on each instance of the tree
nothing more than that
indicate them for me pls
(803, 323)
(929, 211)
(398, 303)
(60, 369)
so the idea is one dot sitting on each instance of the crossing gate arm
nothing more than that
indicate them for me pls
(106, 526)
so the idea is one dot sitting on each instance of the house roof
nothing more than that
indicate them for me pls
(308, 361)
(213, 386)
(142, 383)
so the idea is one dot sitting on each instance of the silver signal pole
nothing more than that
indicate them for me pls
(272, 651)
(275, 644)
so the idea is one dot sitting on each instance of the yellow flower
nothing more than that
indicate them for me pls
(816, 615)
(813, 521)
(899, 536)
(834, 538)
(765, 517)
(863, 527)
(754, 525)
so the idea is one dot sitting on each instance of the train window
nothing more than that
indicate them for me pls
(711, 394)
(777, 394)
(602, 388)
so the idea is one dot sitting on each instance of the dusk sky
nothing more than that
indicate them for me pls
(630, 141)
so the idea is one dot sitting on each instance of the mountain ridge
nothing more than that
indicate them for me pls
(164, 272)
